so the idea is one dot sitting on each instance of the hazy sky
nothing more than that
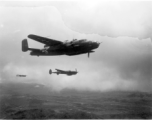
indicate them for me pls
(122, 62)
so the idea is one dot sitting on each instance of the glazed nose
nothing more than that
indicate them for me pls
(97, 44)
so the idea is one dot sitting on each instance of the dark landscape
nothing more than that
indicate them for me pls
(33, 101)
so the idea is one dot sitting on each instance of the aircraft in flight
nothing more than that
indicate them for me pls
(54, 47)
(20, 75)
(68, 72)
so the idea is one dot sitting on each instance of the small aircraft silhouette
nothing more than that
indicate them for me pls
(54, 47)
(20, 75)
(68, 72)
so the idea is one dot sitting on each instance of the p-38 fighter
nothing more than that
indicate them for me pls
(69, 72)
(20, 75)
(54, 47)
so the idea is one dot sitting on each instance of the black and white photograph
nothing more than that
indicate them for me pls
(76, 59)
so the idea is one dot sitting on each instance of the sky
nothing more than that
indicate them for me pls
(123, 60)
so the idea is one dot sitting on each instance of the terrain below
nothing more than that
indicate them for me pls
(29, 101)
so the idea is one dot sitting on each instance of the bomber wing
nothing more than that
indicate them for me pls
(45, 40)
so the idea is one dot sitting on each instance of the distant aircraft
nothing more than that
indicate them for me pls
(20, 75)
(54, 47)
(69, 73)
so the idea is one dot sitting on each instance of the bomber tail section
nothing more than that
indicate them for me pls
(25, 45)
(50, 71)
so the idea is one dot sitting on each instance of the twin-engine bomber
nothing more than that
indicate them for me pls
(54, 47)
(68, 72)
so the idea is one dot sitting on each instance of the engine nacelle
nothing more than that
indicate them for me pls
(46, 46)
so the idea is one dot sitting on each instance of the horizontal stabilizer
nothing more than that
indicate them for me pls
(25, 46)
(34, 49)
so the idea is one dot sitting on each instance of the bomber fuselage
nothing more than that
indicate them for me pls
(65, 49)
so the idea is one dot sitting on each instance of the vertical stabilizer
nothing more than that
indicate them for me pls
(50, 71)
(24, 45)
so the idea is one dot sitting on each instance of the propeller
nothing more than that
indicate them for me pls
(98, 42)
(45, 51)
(76, 70)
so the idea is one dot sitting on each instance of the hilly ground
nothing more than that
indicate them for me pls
(35, 101)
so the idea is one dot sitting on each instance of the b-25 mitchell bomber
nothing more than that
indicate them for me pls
(54, 47)
(69, 73)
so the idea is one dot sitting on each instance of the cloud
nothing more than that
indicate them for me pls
(131, 58)
(113, 19)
